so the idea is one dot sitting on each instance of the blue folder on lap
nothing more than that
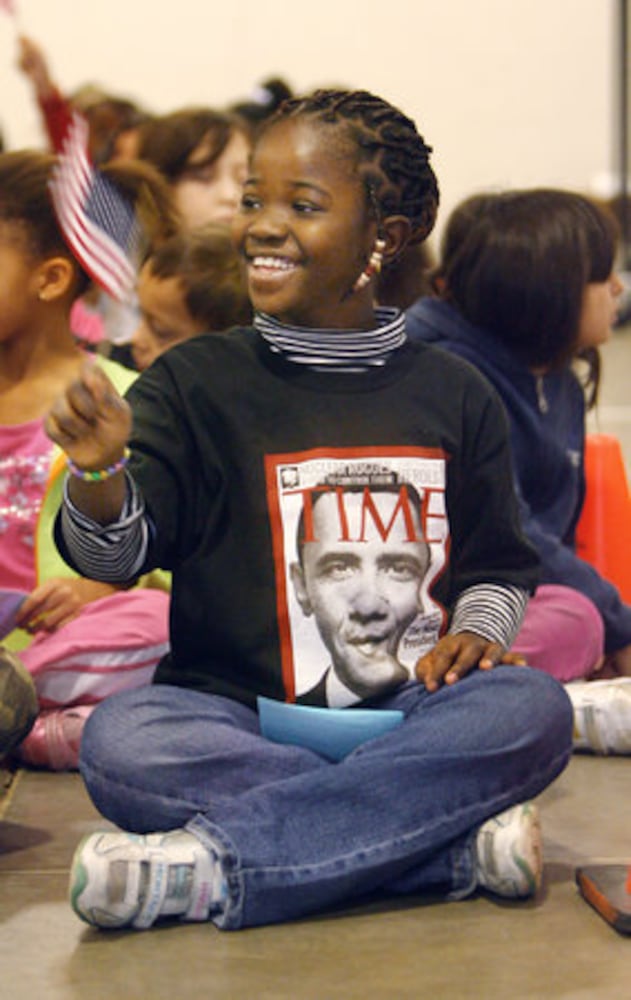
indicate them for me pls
(332, 732)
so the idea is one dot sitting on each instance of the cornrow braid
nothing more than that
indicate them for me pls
(393, 158)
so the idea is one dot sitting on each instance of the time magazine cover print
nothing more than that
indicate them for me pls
(359, 536)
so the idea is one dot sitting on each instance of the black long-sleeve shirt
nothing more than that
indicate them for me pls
(230, 437)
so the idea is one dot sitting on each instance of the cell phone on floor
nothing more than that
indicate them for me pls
(607, 888)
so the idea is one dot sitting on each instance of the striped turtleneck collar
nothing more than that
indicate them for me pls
(336, 350)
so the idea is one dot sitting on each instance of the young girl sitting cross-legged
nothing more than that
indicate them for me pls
(336, 507)
(79, 638)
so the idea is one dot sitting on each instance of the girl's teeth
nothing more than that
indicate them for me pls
(275, 263)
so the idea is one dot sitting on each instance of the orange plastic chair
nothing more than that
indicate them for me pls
(603, 535)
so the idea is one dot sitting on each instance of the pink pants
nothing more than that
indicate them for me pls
(113, 644)
(562, 633)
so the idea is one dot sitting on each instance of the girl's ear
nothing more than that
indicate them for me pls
(396, 232)
(54, 278)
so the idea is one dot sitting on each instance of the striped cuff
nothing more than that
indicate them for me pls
(113, 553)
(491, 610)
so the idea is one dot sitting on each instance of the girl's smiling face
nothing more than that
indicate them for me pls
(304, 229)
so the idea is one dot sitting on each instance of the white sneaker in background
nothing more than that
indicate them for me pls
(602, 715)
(509, 856)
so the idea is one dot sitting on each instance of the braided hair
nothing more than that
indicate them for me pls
(392, 158)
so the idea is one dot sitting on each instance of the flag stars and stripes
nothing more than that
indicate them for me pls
(98, 222)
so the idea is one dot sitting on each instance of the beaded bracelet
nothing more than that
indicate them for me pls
(98, 475)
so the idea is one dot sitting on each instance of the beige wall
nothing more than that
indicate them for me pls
(509, 92)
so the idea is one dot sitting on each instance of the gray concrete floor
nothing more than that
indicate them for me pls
(552, 947)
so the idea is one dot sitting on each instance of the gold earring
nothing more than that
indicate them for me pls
(373, 266)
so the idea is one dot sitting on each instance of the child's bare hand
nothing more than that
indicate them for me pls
(91, 421)
(59, 600)
(454, 656)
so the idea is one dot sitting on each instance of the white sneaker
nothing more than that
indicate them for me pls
(125, 880)
(602, 715)
(509, 856)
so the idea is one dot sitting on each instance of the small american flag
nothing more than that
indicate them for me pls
(98, 222)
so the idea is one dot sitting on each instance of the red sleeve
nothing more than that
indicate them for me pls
(57, 115)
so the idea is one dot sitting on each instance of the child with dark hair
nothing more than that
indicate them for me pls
(527, 291)
(232, 434)
(203, 155)
(192, 283)
(79, 638)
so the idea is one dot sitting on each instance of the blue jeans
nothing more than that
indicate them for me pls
(296, 833)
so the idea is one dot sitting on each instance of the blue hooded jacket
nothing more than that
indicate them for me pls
(547, 422)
